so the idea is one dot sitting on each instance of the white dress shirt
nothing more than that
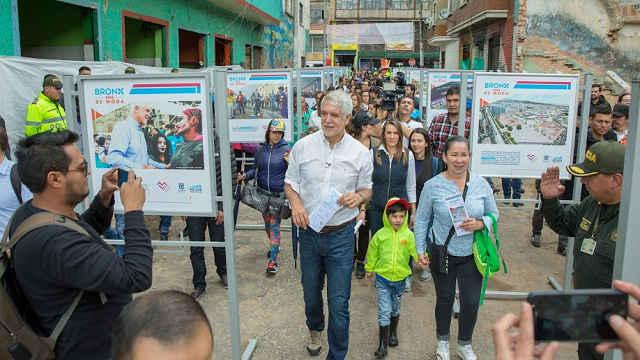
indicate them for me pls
(315, 168)
(8, 200)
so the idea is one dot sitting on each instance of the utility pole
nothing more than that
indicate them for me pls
(296, 45)
(324, 33)
(421, 41)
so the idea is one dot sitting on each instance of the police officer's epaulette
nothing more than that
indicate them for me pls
(35, 101)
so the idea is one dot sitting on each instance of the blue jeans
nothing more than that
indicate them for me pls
(197, 227)
(117, 233)
(507, 184)
(330, 254)
(165, 223)
(389, 299)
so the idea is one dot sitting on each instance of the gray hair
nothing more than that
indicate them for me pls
(140, 105)
(340, 99)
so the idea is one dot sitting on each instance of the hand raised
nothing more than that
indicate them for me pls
(550, 185)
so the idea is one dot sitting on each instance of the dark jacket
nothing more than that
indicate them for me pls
(388, 180)
(601, 101)
(234, 167)
(53, 263)
(271, 166)
(579, 220)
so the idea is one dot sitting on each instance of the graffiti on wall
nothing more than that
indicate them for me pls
(278, 44)
(585, 45)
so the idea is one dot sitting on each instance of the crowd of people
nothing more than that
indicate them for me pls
(386, 178)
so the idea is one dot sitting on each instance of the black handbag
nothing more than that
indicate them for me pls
(438, 254)
(252, 196)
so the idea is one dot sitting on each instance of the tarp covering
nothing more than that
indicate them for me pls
(372, 33)
(22, 82)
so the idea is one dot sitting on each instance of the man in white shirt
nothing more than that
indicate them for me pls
(406, 109)
(326, 160)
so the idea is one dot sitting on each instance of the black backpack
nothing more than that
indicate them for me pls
(17, 339)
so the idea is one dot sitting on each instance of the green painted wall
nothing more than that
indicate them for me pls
(194, 15)
(140, 40)
(51, 16)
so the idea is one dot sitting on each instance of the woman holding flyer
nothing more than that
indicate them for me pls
(458, 201)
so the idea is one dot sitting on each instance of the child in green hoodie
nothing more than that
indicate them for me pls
(388, 256)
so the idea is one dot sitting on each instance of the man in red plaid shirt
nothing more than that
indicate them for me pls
(444, 126)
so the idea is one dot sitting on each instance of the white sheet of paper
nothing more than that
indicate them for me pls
(458, 212)
(325, 210)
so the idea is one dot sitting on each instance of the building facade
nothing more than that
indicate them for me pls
(346, 12)
(598, 37)
(168, 33)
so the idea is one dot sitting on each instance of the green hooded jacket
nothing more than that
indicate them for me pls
(389, 250)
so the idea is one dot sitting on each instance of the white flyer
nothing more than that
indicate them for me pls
(458, 212)
(325, 210)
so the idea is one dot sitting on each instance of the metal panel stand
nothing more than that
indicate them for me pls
(626, 266)
(220, 84)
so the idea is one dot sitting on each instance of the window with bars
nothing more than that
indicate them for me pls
(316, 15)
(372, 4)
(400, 4)
(346, 4)
(316, 43)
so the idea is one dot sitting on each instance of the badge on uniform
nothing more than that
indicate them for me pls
(588, 246)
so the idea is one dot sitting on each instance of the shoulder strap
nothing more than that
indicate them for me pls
(65, 317)
(256, 160)
(464, 197)
(16, 184)
(37, 221)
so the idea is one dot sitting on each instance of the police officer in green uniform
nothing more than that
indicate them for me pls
(45, 112)
(593, 222)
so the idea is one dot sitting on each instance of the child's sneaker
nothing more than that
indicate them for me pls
(465, 352)
(443, 350)
(407, 283)
(272, 268)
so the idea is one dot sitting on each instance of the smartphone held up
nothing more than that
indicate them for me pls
(577, 315)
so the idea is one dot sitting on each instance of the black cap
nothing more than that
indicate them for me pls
(52, 80)
(363, 118)
(620, 110)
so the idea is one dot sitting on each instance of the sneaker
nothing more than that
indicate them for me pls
(164, 236)
(185, 232)
(521, 190)
(407, 284)
(426, 275)
(562, 251)
(495, 189)
(517, 204)
(197, 294)
(535, 240)
(360, 271)
(272, 268)
(465, 352)
(443, 350)
(314, 343)
(223, 280)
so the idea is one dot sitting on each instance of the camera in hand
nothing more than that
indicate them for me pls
(392, 92)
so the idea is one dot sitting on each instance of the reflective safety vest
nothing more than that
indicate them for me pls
(44, 115)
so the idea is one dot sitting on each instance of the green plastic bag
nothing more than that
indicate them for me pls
(486, 255)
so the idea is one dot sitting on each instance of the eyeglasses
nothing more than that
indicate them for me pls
(83, 169)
